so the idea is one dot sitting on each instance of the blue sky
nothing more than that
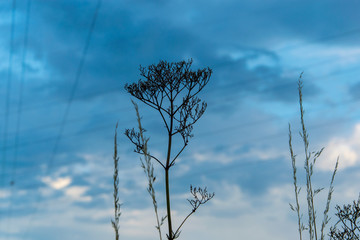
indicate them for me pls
(57, 132)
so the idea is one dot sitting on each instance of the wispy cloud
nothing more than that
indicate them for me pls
(58, 183)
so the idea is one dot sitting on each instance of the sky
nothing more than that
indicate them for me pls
(63, 68)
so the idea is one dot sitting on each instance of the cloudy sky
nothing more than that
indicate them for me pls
(62, 73)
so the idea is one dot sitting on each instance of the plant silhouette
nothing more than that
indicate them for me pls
(309, 163)
(349, 217)
(171, 89)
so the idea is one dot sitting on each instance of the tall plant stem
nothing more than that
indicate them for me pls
(167, 168)
(168, 203)
(309, 170)
(171, 89)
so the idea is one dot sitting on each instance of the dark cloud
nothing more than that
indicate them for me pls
(122, 41)
(126, 36)
(266, 24)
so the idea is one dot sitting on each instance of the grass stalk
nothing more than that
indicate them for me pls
(309, 163)
(117, 206)
(148, 168)
(296, 188)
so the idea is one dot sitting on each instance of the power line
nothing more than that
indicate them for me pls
(72, 94)
(22, 77)
(8, 89)
(75, 85)
(19, 113)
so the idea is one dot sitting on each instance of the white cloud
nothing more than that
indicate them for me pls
(181, 169)
(234, 212)
(77, 193)
(4, 193)
(221, 157)
(226, 157)
(265, 154)
(337, 57)
(348, 150)
(265, 216)
(58, 183)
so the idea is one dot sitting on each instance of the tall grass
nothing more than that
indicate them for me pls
(148, 168)
(117, 211)
(309, 163)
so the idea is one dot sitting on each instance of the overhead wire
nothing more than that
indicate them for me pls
(21, 90)
(8, 96)
(8, 92)
(70, 100)
(19, 114)
(75, 85)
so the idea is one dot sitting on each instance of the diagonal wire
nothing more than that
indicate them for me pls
(19, 113)
(72, 94)
(74, 87)
(20, 103)
(8, 91)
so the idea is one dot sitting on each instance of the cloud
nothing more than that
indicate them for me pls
(77, 193)
(223, 158)
(265, 153)
(4, 193)
(347, 149)
(233, 154)
(58, 183)
(235, 212)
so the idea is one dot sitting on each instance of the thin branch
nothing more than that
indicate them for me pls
(293, 158)
(331, 189)
(157, 160)
(182, 223)
(182, 149)
(196, 202)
